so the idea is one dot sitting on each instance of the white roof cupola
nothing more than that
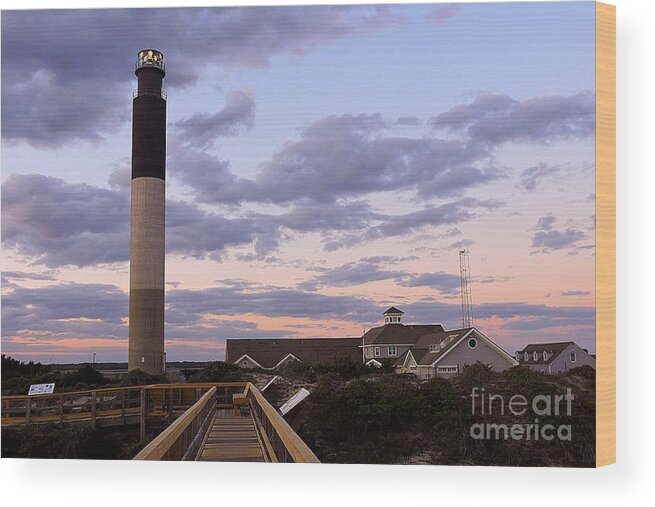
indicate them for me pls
(392, 315)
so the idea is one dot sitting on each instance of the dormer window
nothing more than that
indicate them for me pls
(434, 347)
(535, 356)
(545, 356)
(518, 356)
(526, 356)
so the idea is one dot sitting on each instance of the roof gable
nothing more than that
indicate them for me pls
(270, 352)
(553, 349)
(399, 334)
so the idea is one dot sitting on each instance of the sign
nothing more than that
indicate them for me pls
(294, 400)
(41, 389)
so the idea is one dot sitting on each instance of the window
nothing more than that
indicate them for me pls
(535, 356)
(473, 343)
(526, 357)
(376, 351)
(573, 358)
(545, 356)
(434, 347)
(518, 356)
(447, 369)
(245, 363)
(392, 351)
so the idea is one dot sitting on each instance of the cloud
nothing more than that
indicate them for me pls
(446, 283)
(491, 120)
(353, 273)
(201, 129)
(546, 222)
(56, 90)
(449, 213)
(411, 121)
(338, 157)
(47, 112)
(388, 226)
(371, 269)
(442, 13)
(547, 238)
(532, 176)
(71, 309)
(21, 275)
(71, 318)
(575, 293)
(349, 156)
(56, 223)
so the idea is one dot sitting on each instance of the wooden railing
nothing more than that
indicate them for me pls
(281, 443)
(194, 405)
(183, 438)
(119, 404)
(113, 406)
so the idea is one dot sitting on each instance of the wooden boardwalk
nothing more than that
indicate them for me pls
(232, 437)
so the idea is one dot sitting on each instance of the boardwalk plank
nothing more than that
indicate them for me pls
(232, 438)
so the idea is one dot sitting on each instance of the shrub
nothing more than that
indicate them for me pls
(219, 371)
(12, 368)
(86, 376)
(297, 370)
(527, 382)
(140, 378)
(475, 375)
(585, 372)
(47, 441)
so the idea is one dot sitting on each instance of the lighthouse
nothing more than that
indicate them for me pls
(147, 220)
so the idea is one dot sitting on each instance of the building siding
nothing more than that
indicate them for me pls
(462, 355)
(369, 351)
(562, 362)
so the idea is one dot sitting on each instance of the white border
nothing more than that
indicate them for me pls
(69, 483)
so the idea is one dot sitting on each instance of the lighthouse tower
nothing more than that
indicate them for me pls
(147, 233)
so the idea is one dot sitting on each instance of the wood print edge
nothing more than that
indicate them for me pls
(605, 234)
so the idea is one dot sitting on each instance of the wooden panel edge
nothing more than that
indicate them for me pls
(605, 234)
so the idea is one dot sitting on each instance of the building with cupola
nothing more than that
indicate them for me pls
(428, 350)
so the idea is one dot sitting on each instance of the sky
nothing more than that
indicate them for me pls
(323, 164)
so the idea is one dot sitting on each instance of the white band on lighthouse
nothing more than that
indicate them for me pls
(147, 233)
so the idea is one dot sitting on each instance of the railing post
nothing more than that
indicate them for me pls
(94, 409)
(142, 434)
(123, 406)
(28, 410)
(61, 409)
(170, 402)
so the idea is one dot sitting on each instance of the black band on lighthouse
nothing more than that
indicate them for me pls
(149, 117)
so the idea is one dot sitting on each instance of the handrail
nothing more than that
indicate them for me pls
(177, 441)
(200, 385)
(76, 393)
(113, 405)
(286, 443)
(157, 92)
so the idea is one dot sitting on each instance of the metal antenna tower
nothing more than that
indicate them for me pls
(465, 282)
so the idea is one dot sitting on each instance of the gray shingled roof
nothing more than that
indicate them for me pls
(399, 333)
(421, 350)
(554, 349)
(393, 309)
(270, 351)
